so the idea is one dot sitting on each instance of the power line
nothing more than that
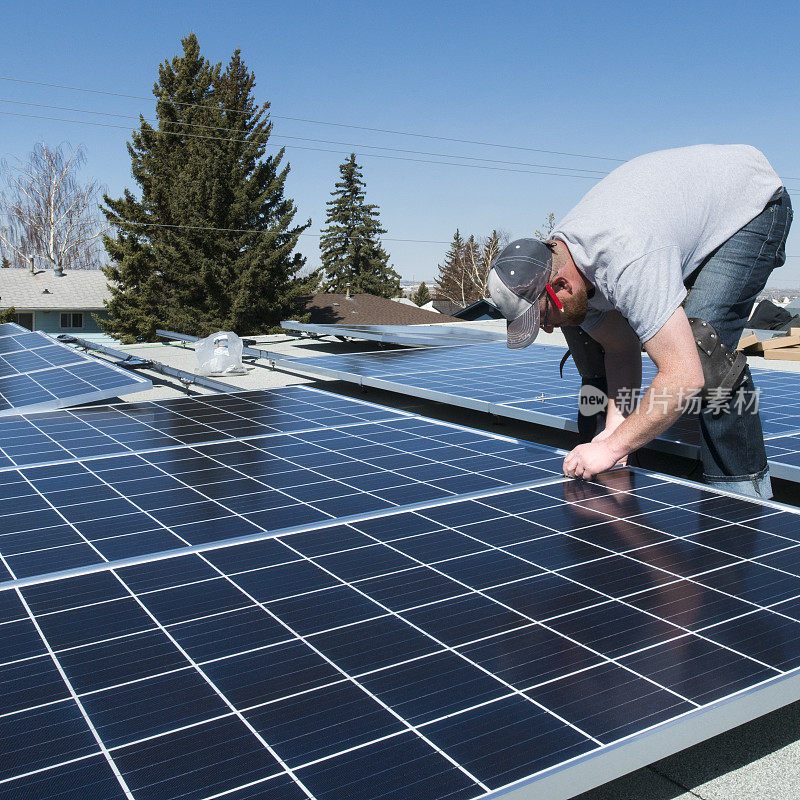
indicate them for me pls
(303, 147)
(321, 122)
(250, 230)
(304, 138)
(336, 124)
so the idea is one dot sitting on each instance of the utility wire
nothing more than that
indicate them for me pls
(122, 223)
(319, 122)
(334, 124)
(304, 147)
(193, 125)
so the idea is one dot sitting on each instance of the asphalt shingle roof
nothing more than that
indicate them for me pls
(78, 289)
(367, 309)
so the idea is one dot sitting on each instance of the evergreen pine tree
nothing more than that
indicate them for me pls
(209, 243)
(473, 272)
(449, 281)
(352, 255)
(422, 295)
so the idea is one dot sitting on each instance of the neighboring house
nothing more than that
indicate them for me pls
(481, 310)
(327, 308)
(446, 306)
(46, 302)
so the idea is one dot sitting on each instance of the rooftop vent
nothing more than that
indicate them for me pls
(46, 291)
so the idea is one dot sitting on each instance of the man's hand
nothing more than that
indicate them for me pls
(606, 432)
(587, 460)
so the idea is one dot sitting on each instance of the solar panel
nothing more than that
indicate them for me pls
(538, 640)
(526, 385)
(38, 373)
(411, 335)
(134, 427)
(152, 495)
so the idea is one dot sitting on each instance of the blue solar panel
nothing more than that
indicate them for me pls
(135, 427)
(150, 494)
(526, 385)
(464, 648)
(37, 373)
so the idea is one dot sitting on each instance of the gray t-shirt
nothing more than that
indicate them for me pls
(649, 224)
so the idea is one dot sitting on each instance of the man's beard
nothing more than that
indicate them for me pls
(576, 307)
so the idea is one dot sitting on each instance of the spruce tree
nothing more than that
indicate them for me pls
(450, 280)
(208, 243)
(352, 255)
(422, 295)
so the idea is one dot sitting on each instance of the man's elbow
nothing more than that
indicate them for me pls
(688, 381)
(695, 381)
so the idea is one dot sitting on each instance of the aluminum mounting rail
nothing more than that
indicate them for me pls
(131, 361)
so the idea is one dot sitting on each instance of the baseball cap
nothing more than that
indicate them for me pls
(518, 276)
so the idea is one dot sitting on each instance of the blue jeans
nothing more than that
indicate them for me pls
(722, 291)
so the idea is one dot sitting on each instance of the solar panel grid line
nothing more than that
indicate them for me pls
(77, 700)
(261, 535)
(370, 370)
(389, 511)
(238, 712)
(432, 565)
(176, 442)
(231, 512)
(221, 695)
(144, 593)
(64, 520)
(403, 542)
(576, 536)
(83, 416)
(354, 680)
(39, 372)
(310, 645)
(246, 419)
(214, 409)
(399, 615)
(586, 772)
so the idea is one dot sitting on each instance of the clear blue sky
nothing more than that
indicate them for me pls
(604, 79)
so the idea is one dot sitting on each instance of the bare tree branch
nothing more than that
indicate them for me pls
(47, 213)
(543, 233)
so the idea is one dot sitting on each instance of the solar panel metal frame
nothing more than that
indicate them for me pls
(438, 335)
(583, 772)
(562, 781)
(133, 382)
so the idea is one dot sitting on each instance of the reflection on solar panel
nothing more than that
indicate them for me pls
(135, 427)
(542, 639)
(37, 373)
(526, 385)
(433, 335)
(138, 491)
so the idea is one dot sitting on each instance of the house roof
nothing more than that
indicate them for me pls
(367, 309)
(482, 309)
(78, 289)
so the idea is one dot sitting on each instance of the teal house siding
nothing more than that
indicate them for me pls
(50, 321)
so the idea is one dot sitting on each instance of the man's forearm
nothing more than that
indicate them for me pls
(661, 406)
(624, 379)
